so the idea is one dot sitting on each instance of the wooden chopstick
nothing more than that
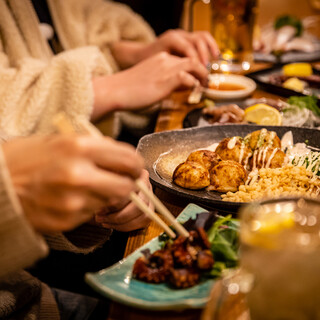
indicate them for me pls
(151, 214)
(161, 208)
(64, 126)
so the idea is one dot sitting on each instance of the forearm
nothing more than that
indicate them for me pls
(105, 97)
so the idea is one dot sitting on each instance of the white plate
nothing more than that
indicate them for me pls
(248, 84)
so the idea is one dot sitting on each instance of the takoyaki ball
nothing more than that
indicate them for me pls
(234, 149)
(191, 175)
(227, 175)
(267, 158)
(206, 157)
(263, 138)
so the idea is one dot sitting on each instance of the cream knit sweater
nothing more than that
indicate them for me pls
(21, 295)
(34, 84)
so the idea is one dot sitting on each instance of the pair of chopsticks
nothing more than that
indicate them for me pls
(63, 125)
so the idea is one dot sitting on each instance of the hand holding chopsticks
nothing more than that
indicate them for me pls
(65, 126)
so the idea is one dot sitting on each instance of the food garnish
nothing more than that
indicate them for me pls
(294, 84)
(309, 102)
(297, 69)
(263, 114)
(288, 20)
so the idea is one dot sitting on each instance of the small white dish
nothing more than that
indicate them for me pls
(247, 86)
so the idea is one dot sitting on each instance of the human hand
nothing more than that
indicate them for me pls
(198, 44)
(128, 218)
(146, 83)
(62, 180)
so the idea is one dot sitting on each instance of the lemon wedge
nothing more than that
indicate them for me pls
(297, 69)
(276, 223)
(264, 231)
(294, 84)
(263, 114)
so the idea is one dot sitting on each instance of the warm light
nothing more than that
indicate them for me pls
(256, 225)
(233, 288)
(245, 65)
(312, 220)
(127, 279)
(304, 239)
(215, 66)
(224, 67)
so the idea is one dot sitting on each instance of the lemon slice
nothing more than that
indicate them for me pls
(264, 232)
(263, 114)
(294, 84)
(276, 223)
(297, 69)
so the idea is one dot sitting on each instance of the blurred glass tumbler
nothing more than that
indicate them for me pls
(315, 4)
(232, 24)
(280, 250)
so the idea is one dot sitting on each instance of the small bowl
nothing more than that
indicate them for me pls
(239, 86)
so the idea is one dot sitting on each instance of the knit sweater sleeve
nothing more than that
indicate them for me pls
(98, 23)
(84, 239)
(33, 91)
(20, 246)
(110, 22)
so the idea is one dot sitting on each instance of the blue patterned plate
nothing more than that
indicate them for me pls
(116, 282)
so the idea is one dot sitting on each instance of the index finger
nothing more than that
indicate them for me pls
(114, 156)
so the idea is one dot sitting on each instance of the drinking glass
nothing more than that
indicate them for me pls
(280, 251)
(315, 4)
(232, 24)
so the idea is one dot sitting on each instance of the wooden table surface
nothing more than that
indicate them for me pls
(173, 111)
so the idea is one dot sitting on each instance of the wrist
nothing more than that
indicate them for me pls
(129, 53)
(105, 96)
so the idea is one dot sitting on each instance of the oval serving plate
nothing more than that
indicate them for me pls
(247, 84)
(117, 283)
(163, 151)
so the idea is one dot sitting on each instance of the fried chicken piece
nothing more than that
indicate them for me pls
(234, 149)
(181, 255)
(263, 138)
(185, 251)
(227, 176)
(205, 260)
(191, 175)
(207, 158)
(156, 269)
(184, 278)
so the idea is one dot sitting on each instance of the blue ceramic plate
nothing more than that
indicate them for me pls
(117, 283)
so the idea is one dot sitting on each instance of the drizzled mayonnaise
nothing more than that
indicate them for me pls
(232, 142)
(271, 157)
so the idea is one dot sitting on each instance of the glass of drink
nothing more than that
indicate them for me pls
(232, 24)
(315, 4)
(280, 250)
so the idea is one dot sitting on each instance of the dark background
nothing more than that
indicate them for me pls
(160, 14)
